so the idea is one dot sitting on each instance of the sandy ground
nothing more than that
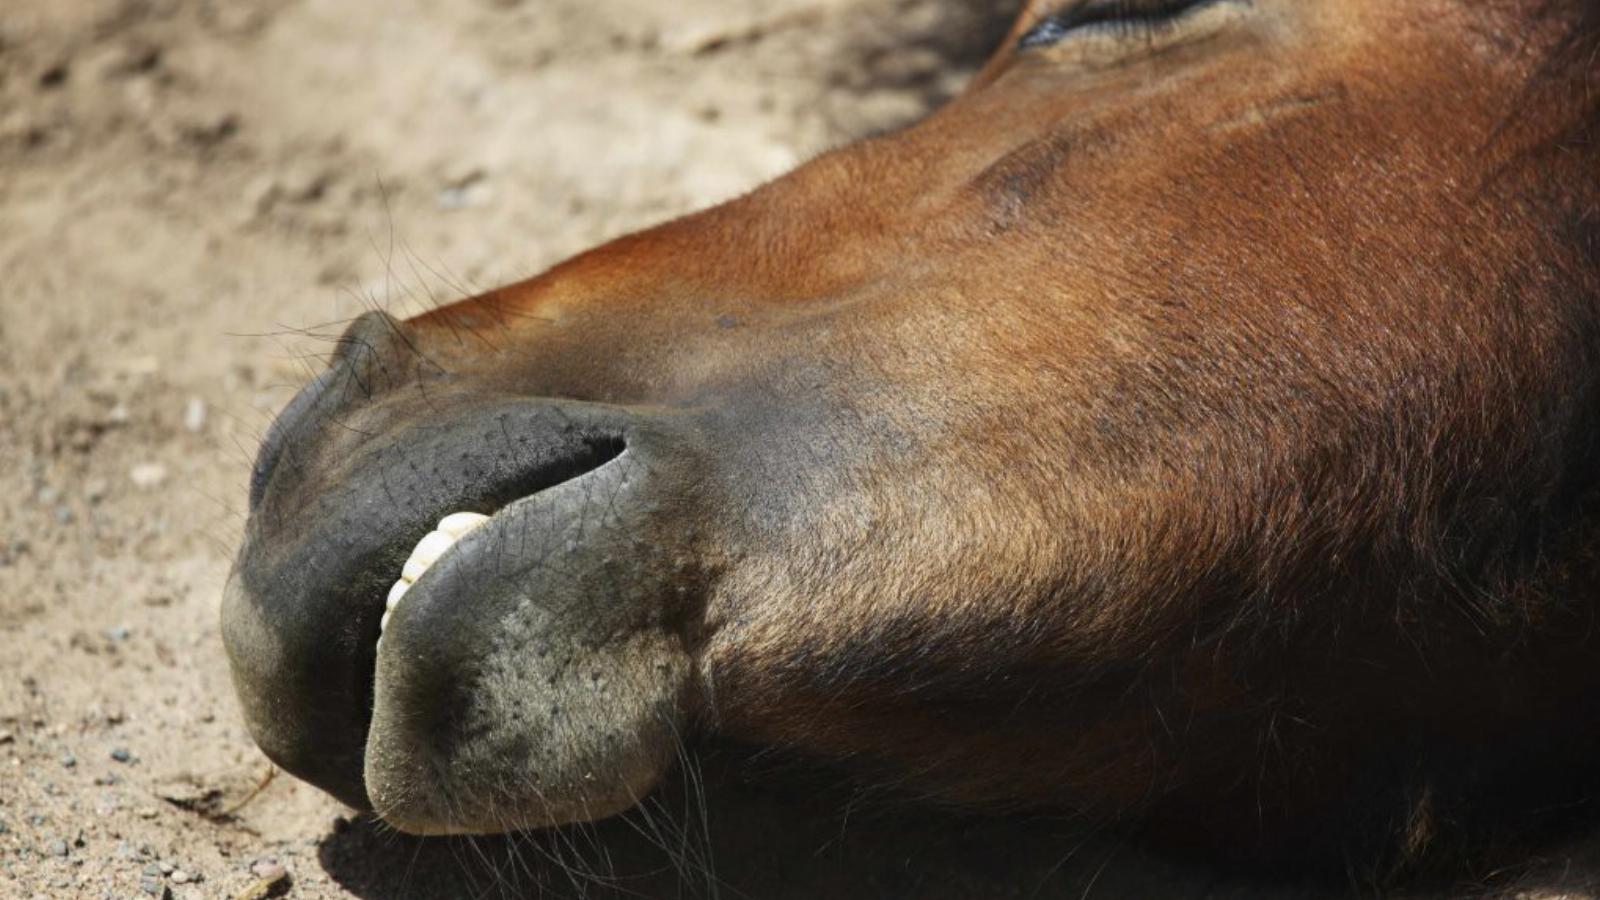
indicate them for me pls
(194, 195)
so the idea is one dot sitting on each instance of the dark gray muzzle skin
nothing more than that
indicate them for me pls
(359, 466)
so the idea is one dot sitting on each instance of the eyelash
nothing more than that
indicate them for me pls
(1121, 17)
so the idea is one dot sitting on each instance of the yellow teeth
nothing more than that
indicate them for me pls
(458, 524)
(433, 545)
(395, 593)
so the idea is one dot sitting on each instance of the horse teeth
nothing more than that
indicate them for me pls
(433, 545)
(395, 593)
(458, 524)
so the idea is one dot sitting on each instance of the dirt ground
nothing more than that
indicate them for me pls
(194, 195)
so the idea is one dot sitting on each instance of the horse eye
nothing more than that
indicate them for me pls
(1117, 17)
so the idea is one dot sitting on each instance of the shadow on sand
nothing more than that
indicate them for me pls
(772, 836)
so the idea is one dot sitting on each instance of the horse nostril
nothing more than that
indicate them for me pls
(360, 361)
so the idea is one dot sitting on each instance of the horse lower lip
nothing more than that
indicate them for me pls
(560, 580)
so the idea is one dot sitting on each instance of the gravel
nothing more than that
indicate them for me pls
(148, 475)
(268, 869)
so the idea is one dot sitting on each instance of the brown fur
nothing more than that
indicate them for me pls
(1202, 436)
(1437, 361)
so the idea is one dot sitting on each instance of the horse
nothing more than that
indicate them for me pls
(1192, 425)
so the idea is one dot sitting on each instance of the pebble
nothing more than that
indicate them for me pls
(121, 754)
(68, 760)
(148, 475)
(118, 633)
(179, 876)
(268, 869)
(57, 847)
(153, 868)
(95, 490)
(194, 415)
(153, 886)
(273, 884)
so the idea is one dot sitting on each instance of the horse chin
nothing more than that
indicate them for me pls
(525, 749)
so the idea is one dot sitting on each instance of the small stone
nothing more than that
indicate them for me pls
(68, 760)
(94, 490)
(194, 415)
(153, 886)
(118, 415)
(148, 475)
(118, 633)
(464, 188)
(55, 75)
(153, 869)
(64, 514)
(267, 869)
(146, 812)
(57, 847)
(121, 754)
(179, 876)
(166, 867)
(273, 884)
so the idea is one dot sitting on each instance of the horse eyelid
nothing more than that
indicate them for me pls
(1121, 18)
